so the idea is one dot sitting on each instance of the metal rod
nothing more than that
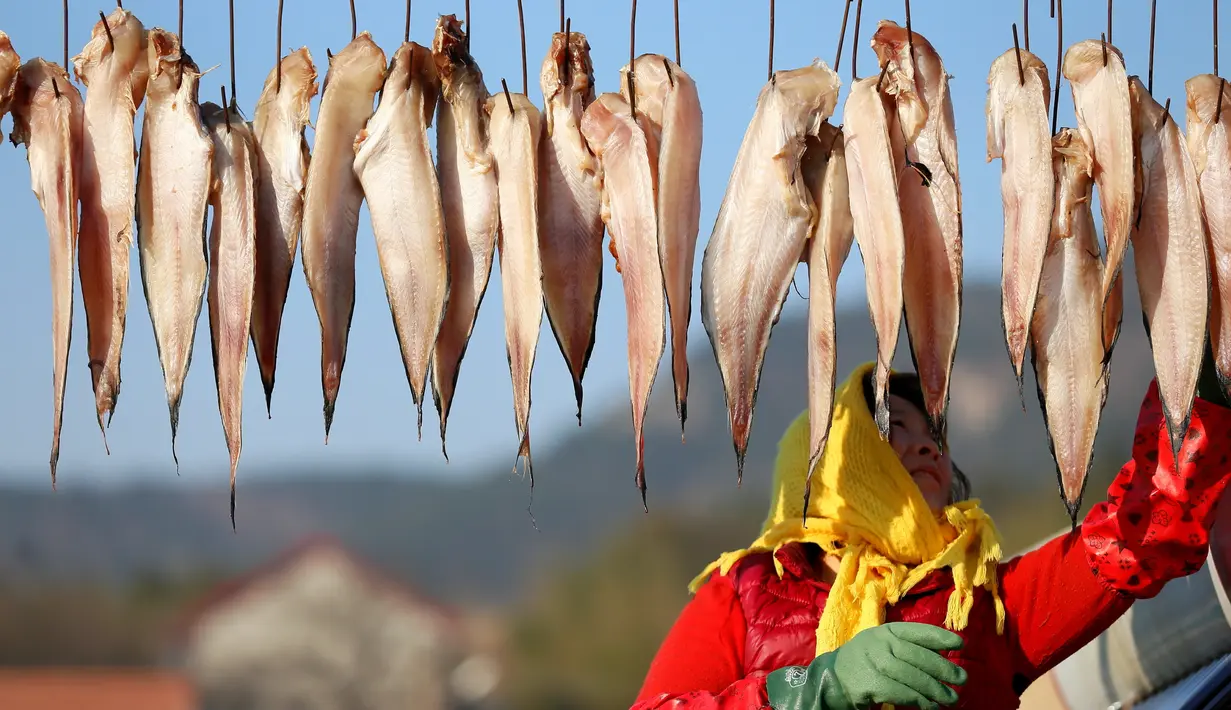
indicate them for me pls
(679, 61)
(841, 36)
(278, 54)
(910, 37)
(521, 22)
(1216, 37)
(234, 91)
(1162, 120)
(632, 44)
(354, 23)
(406, 33)
(469, 31)
(55, 87)
(110, 39)
(771, 40)
(1021, 75)
(226, 113)
(1103, 41)
(180, 34)
(1222, 83)
(855, 42)
(568, 34)
(1055, 102)
(1108, 25)
(1153, 17)
(66, 36)
(1026, 23)
(562, 21)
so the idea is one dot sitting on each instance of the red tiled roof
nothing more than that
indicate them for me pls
(95, 689)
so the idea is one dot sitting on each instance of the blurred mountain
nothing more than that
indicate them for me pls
(476, 543)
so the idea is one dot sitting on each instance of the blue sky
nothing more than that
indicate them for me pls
(724, 49)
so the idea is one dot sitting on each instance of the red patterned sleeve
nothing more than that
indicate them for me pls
(1155, 524)
(701, 662)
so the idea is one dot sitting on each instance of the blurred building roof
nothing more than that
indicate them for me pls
(95, 689)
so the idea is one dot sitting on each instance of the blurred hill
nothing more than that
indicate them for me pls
(475, 543)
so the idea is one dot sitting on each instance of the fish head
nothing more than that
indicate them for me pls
(10, 64)
(806, 96)
(299, 85)
(1072, 166)
(577, 76)
(413, 70)
(1083, 59)
(1203, 92)
(120, 36)
(172, 71)
(653, 78)
(360, 65)
(607, 122)
(454, 64)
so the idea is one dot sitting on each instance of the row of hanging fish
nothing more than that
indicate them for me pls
(1164, 193)
(540, 187)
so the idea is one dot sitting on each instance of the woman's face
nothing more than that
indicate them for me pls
(930, 469)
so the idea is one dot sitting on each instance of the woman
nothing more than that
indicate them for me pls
(892, 591)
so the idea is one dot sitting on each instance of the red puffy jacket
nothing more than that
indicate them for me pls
(1153, 527)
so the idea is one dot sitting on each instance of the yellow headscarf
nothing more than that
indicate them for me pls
(866, 510)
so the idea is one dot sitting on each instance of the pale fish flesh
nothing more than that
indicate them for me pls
(471, 204)
(108, 171)
(47, 118)
(515, 134)
(871, 166)
(1211, 155)
(1019, 134)
(1095, 71)
(931, 211)
(173, 182)
(667, 96)
(570, 205)
(232, 272)
(824, 172)
(1068, 328)
(332, 200)
(394, 163)
(619, 141)
(1169, 252)
(282, 169)
(763, 222)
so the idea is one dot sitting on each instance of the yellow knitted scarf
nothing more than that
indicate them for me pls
(866, 510)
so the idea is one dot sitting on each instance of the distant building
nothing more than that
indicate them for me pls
(320, 629)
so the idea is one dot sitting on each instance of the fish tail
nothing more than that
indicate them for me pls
(577, 392)
(329, 407)
(232, 500)
(682, 409)
(173, 405)
(269, 394)
(640, 477)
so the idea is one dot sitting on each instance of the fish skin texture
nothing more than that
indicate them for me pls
(1019, 134)
(570, 206)
(1211, 155)
(515, 148)
(471, 201)
(173, 181)
(232, 273)
(745, 275)
(108, 200)
(332, 200)
(1104, 117)
(829, 245)
(47, 119)
(931, 212)
(620, 143)
(667, 95)
(393, 160)
(1070, 363)
(869, 130)
(282, 169)
(1170, 256)
(10, 67)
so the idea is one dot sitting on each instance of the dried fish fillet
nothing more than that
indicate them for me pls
(1019, 134)
(570, 205)
(1170, 255)
(282, 170)
(394, 163)
(829, 245)
(471, 202)
(515, 134)
(667, 96)
(232, 272)
(1096, 72)
(47, 119)
(173, 180)
(10, 66)
(869, 131)
(332, 200)
(108, 171)
(629, 212)
(745, 275)
(931, 211)
(1208, 145)
(1067, 331)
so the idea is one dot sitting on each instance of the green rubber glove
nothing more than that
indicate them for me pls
(895, 663)
(1208, 386)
